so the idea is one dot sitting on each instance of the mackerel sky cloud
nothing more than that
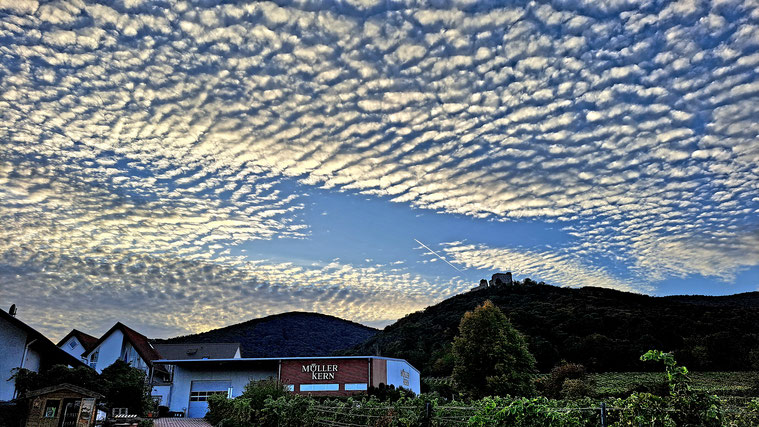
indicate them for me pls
(217, 160)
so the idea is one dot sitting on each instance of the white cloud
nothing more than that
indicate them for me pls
(557, 268)
(167, 133)
(161, 291)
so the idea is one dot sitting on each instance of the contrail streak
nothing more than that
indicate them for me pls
(438, 255)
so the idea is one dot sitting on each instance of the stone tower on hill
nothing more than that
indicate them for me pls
(501, 279)
(498, 279)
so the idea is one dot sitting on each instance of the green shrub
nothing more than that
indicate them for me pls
(740, 417)
(641, 409)
(388, 392)
(259, 391)
(696, 409)
(688, 407)
(289, 411)
(219, 409)
(246, 409)
(526, 412)
(575, 389)
(567, 381)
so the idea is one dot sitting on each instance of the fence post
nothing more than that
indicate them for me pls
(603, 414)
(428, 413)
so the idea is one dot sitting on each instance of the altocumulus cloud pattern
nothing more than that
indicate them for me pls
(143, 139)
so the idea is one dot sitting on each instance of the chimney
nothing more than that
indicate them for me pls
(12, 310)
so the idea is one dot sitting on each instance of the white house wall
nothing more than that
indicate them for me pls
(164, 391)
(395, 368)
(110, 350)
(32, 361)
(134, 359)
(11, 352)
(76, 351)
(183, 378)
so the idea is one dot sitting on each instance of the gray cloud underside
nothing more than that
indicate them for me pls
(138, 128)
(167, 297)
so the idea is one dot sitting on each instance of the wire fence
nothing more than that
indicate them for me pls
(430, 415)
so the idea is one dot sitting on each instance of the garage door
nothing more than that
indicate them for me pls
(199, 392)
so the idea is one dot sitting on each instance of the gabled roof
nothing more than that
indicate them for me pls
(139, 342)
(42, 343)
(87, 340)
(197, 350)
(64, 386)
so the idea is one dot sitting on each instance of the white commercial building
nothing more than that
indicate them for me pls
(195, 380)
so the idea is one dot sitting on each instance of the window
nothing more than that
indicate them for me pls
(127, 352)
(320, 387)
(51, 409)
(289, 387)
(94, 358)
(352, 387)
(202, 396)
(72, 344)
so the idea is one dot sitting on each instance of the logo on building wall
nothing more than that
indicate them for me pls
(406, 377)
(320, 372)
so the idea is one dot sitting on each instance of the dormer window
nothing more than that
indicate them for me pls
(72, 344)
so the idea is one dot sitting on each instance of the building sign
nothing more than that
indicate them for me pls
(406, 377)
(320, 372)
(87, 406)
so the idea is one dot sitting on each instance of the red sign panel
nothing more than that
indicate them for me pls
(332, 377)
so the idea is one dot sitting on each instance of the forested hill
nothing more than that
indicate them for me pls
(287, 335)
(604, 329)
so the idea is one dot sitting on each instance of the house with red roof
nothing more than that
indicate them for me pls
(76, 343)
(122, 343)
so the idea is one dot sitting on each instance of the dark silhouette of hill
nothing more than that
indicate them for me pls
(287, 335)
(604, 329)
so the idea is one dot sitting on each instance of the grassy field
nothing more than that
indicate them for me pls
(719, 383)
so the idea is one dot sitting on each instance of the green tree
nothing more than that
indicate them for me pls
(490, 356)
(125, 387)
(82, 376)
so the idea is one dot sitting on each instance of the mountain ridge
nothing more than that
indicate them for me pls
(604, 329)
(290, 334)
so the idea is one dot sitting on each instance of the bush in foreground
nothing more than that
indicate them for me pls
(246, 409)
(681, 407)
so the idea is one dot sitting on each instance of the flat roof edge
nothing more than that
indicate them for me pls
(264, 359)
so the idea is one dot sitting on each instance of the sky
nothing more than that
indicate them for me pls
(180, 166)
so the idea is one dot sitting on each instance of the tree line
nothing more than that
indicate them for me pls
(604, 330)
